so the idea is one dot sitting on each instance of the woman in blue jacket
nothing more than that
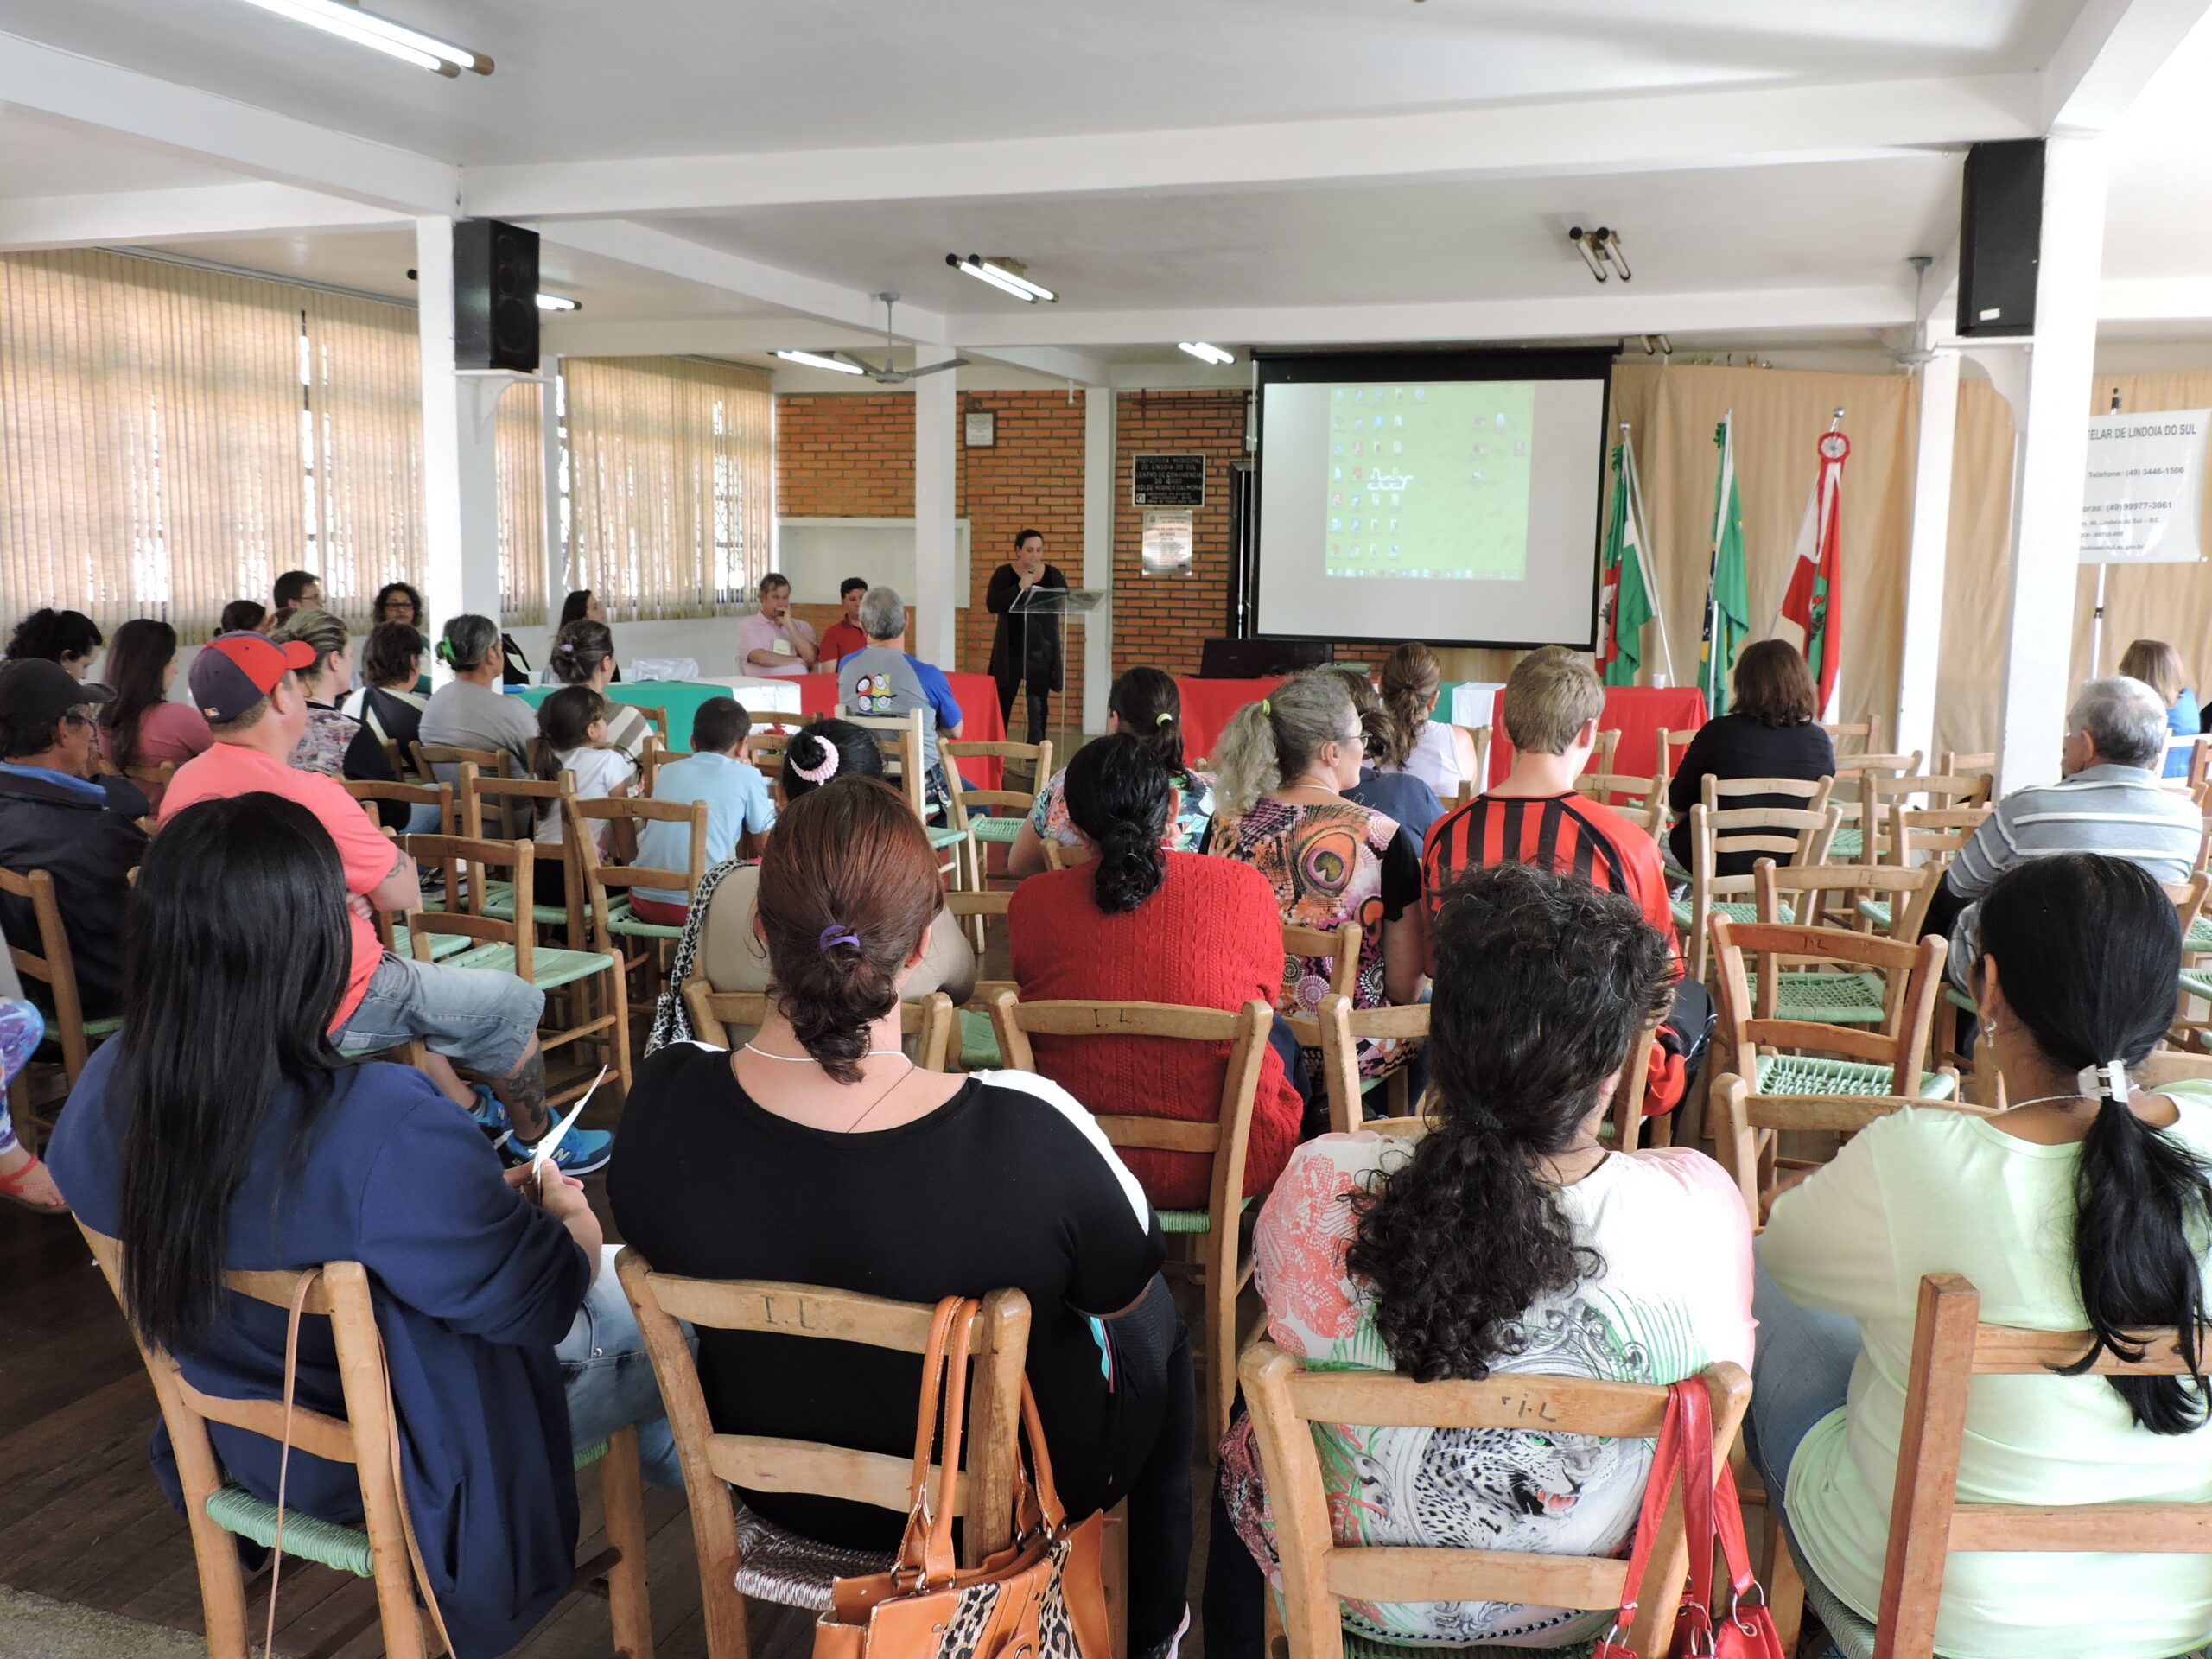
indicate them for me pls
(2158, 665)
(221, 1131)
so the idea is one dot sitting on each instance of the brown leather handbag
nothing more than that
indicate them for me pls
(1043, 1596)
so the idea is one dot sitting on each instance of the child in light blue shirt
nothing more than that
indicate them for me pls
(719, 771)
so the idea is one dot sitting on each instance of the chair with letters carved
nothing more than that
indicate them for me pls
(926, 1024)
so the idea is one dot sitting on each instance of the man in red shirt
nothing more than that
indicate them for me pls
(845, 635)
(485, 1021)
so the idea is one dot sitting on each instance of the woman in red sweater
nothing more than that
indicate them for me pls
(1140, 924)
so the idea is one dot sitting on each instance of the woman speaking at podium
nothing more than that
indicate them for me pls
(1028, 645)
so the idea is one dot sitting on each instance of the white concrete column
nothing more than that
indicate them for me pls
(549, 456)
(1098, 406)
(937, 413)
(1922, 656)
(2054, 463)
(461, 498)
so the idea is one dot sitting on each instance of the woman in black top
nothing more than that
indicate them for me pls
(1770, 732)
(1026, 646)
(818, 1153)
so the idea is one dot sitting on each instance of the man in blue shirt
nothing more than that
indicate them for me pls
(884, 683)
(719, 771)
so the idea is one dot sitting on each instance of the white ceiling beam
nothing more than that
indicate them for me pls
(2109, 54)
(44, 82)
(179, 215)
(1663, 132)
(673, 256)
(2155, 299)
(581, 334)
(1059, 364)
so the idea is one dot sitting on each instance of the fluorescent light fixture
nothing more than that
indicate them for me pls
(379, 33)
(556, 302)
(1010, 282)
(816, 361)
(1204, 352)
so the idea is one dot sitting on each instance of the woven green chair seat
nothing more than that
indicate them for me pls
(1876, 911)
(2200, 935)
(1846, 846)
(549, 968)
(442, 945)
(621, 918)
(306, 1539)
(586, 1456)
(1852, 1633)
(1003, 831)
(942, 838)
(1831, 999)
(106, 1026)
(1959, 1000)
(1683, 914)
(979, 1043)
(1801, 1074)
(1192, 1221)
(2198, 982)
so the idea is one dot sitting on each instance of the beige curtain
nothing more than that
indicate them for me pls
(365, 404)
(671, 466)
(1970, 689)
(521, 463)
(151, 428)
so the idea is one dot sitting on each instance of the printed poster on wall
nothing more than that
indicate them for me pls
(2143, 500)
(1167, 539)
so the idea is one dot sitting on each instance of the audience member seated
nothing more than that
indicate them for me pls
(69, 638)
(398, 602)
(55, 815)
(220, 1132)
(721, 942)
(25, 1181)
(1770, 730)
(295, 590)
(1388, 788)
(477, 1019)
(142, 726)
(884, 682)
(583, 654)
(2158, 665)
(844, 635)
(1146, 704)
(572, 738)
(243, 616)
(470, 711)
(2083, 1205)
(818, 1153)
(390, 701)
(720, 772)
(1283, 765)
(581, 606)
(2108, 800)
(335, 744)
(1440, 755)
(772, 642)
(1139, 923)
(1505, 1239)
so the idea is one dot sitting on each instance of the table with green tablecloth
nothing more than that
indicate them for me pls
(681, 698)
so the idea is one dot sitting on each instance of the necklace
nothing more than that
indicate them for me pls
(2040, 1100)
(853, 1125)
(809, 1059)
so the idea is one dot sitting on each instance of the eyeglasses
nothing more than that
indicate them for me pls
(81, 716)
(1358, 737)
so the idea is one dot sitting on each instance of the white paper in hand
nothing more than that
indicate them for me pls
(541, 1158)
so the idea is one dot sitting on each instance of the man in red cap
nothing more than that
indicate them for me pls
(480, 1020)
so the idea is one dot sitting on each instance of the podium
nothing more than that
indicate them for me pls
(1056, 608)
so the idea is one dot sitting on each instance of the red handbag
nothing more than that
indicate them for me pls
(1712, 1519)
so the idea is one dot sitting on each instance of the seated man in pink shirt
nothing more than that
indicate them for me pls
(774, 642)
(480, 1020)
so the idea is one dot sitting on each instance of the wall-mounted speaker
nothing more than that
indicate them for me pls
(494, 295)
(2000, 237)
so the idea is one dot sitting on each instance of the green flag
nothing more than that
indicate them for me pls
(1727, 605)
(1625, 590)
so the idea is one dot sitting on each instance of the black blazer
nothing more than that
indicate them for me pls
(1736, 746)
(1042, 633)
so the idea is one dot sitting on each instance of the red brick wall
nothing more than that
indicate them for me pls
(845, 455)
(1162, 620)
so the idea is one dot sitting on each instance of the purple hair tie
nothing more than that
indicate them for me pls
(834, 935)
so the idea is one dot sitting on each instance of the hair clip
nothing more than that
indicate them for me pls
(569, 646)
(2107, 1081)
(823, 770)
(1163, 719)
(835, 935)
(1266, 707)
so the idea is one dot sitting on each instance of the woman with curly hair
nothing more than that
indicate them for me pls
(69, 638)
(1505, 1239)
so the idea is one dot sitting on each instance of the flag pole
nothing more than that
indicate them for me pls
(2097, 616)
(1774, 627)
(1643, 551)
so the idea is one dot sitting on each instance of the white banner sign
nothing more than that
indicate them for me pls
(2143, 502)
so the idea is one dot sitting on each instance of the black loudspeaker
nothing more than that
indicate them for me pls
(1258, 659)
(2001, 234)
(494, 295)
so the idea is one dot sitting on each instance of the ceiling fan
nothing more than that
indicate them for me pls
(888, 376)
(1912, 353)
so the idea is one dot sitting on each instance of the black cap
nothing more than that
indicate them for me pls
(36, 688)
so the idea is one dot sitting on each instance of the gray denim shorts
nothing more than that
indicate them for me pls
(479, 1018)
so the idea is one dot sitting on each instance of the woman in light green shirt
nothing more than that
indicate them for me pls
(2083, 1206)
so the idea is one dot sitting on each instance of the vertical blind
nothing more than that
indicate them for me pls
(671, 483)
(521, 462)
(364, 421)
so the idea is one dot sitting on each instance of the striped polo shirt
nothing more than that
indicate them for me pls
(1569, 834)
(2120, 811)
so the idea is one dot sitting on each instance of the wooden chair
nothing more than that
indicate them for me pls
(68, 1032)
(509, 945)
(370, 790)
(1800, 834)
(1868, 732)
(1839, 896)
(927, 1024)
(1672, 746)
(1337, 946)
(1341, 1028)
(219, 1511)
(1285, 1398)
(766, 747)
(2195, 748)
(1861, 819)
(1934, 833)
(1935, 792)
(613, 918)
(901, 739)
(1628, 1119)
(1811, 1074)
(739, 1554)
(977, 1039)
(522, 802)
(650, 762)
(1622, 791)
(1224, 1259)
(158, 776)
(1601, 758)
(657, 719)
(1009, 808)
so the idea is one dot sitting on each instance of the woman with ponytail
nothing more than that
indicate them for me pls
(2084, 1207)
(1505, 1239)
(1441, 756)
(818, 1153)
(1138, 922)
(1144, 703)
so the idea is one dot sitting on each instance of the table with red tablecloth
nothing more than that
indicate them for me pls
(1638, 713)
(980, 721)
(1209, 705)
